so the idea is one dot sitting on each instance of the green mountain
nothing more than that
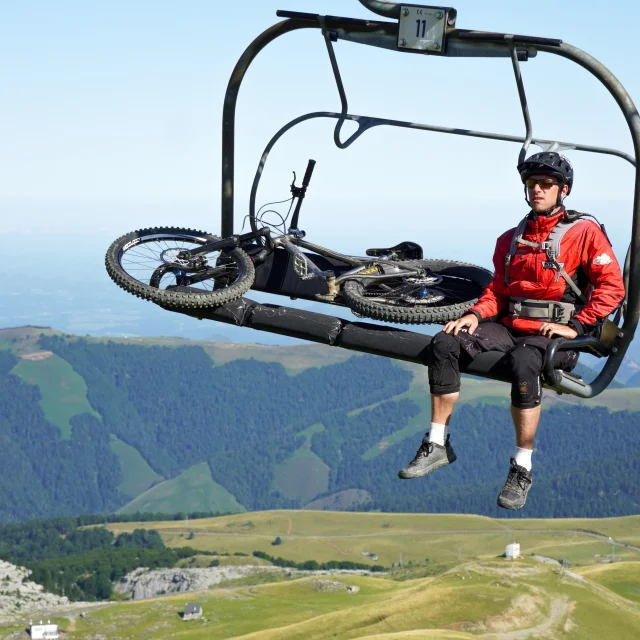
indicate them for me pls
(94, 425)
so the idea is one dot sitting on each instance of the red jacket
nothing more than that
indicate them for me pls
(588, 259)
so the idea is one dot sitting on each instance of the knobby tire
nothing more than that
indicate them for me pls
(467, 279)
(189, 299)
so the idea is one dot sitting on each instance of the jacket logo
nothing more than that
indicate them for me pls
(605, 258)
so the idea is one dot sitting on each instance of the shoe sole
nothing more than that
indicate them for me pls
(437, 465)
(511, 506)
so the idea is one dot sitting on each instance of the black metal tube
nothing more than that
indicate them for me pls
(632, 312)
(553, 376)
(523, 102)
(369, 122)
(386, 9)
(229, 112)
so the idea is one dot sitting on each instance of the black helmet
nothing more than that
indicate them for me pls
(549, 163)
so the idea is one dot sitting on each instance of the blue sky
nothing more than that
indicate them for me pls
(110, 120)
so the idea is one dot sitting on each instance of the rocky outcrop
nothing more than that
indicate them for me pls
(19, 596)
(145, 583)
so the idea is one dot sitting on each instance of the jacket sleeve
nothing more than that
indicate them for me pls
(603, 272)
(495, 298)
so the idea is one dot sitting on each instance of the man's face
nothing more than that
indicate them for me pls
(543, 198)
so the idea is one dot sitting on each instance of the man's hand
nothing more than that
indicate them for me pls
(470, 321)
(549, 329)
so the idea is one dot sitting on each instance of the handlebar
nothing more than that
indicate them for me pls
(299, 192)
(308, 173)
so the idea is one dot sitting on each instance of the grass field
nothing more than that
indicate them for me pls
(434, 542)
(138, 475)
(454, 584)
(303, 474)
(620, 577)
(63, 392)
(22, 340)
(192, 490)
(494, 599)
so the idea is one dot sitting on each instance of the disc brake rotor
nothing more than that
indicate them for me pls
(172, 257)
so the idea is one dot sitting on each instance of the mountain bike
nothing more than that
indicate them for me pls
(182, 268)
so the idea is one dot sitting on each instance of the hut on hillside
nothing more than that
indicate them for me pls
(192, 611)
(42, 631)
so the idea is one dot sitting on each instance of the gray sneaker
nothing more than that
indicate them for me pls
(430, 456)
(515, 490)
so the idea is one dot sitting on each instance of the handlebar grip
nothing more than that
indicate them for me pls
(308, 173)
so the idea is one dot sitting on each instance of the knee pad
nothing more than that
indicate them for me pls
(526, 369)
(443, 354)
(441, 347)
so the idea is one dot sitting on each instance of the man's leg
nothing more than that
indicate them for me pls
(525, 422)
(526, 397)
(441, 410)
(443, 356)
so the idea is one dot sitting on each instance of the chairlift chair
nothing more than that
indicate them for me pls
(432, 31)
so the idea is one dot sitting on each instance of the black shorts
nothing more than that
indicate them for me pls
(523, 354)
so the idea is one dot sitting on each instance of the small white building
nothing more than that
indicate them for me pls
(44, 631)
(513, 551)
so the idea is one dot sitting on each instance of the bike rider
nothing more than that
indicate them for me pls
(555, 276)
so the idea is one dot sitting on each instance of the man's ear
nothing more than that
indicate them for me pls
(565, 190)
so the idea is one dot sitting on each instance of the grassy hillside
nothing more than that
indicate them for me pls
(193, 490)
(138, 475)
(442, 539)
(63, 392)
(454, 584)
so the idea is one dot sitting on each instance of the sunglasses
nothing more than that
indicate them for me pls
(545, 183)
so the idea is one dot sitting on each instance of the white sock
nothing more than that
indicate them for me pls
(438, 433)
(523, 457)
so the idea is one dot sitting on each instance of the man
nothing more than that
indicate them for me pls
(555, 276)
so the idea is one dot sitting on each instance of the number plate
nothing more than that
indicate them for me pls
(422, 29)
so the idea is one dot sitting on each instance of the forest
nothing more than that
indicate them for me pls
(245, 418)
(82, 563)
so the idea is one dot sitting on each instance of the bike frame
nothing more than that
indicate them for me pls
(291, 242)
(460, 43)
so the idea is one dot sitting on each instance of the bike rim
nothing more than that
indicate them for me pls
(401, 292)
(153, 261)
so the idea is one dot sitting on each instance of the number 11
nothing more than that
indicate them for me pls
(424, 26)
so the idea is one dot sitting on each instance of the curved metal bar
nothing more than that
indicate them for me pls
(632, 311)
(365, 123)
(229, 112)
(386, 9)
(553, 376)
(523, 101)
(343, 94)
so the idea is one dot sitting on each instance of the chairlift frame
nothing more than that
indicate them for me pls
(389, 341)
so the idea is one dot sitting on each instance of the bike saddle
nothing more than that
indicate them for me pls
(404, 251)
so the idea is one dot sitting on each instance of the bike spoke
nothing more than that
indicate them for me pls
(142, 260)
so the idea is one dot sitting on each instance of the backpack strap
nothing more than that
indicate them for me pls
(551, 246)
(515, 240)
(552, 249)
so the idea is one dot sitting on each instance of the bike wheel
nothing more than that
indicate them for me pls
(444, 293)
(147, 264)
